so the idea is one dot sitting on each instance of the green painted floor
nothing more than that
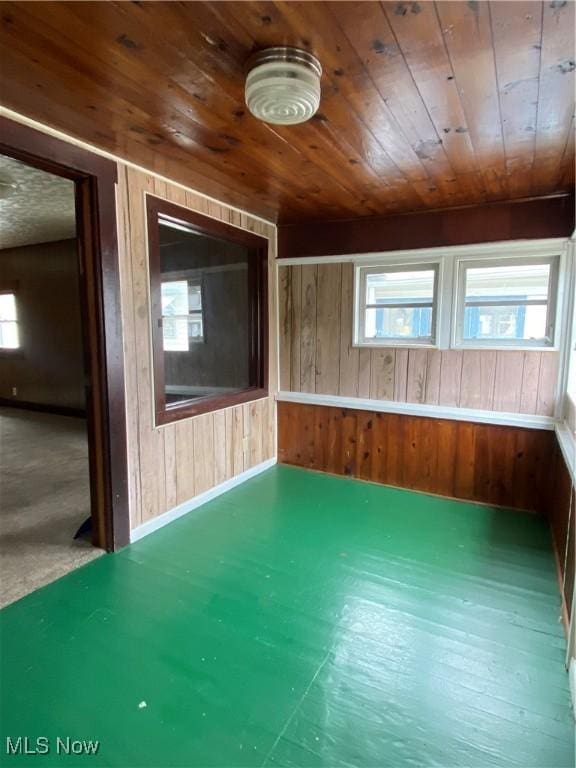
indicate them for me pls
(301, 620)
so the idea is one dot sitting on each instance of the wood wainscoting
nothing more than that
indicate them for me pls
(500, 465)
(560, 506)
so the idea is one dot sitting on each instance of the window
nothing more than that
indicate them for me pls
(9, 337)
(506, 302)
(182, 321)
(397, 305)
(208, 312)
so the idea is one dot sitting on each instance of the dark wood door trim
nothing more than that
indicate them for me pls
(95, 179)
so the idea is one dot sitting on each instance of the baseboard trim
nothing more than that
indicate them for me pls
(188, 506)
(525, 420)
(58, 410)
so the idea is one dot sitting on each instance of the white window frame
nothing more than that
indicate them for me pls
(363, 269)
(448, 259)
(554, 304)
(5, 349)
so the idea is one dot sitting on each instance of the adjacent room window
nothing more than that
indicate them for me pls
(507, 302)
(208, 312)
(397, 305)
(182, 322)
(9, 337)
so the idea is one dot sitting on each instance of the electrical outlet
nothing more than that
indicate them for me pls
(14, 391)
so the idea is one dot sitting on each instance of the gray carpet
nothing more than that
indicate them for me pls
(44, 498)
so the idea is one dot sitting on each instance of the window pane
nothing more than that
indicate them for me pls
(511, 283)
(7, 306)
(398, 322)
(9, 335)
(195, 297)
(497, 302)
(505, 322)
(175, 334)
(410, 287)
(206, 314)
(175, 298)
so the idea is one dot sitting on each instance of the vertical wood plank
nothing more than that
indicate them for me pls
(401, 375)
(465, 461)
(530, 380)
(255, 436)
(433, 366)
(349, 355)
(203, 452)
(450, 378)
(268, 429)
(220, 447)
(508, 380)
(417, 369)
(364, 372)
(382, 374)
(150, 440)
(308, 329)
(547, 383)
(296, 328)
(237, 425)
(129, 341)
(246, 436)
(284, 325)
(273, 333)
(328, 318)
(170, 451)
(185, 461)
(478, 375)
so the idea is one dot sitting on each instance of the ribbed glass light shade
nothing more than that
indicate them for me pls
(283, 86)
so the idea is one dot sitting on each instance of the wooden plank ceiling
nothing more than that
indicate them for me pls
(424, 105)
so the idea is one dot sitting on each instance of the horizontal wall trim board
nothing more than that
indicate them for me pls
(19, 118)
(188, 506)
(416, 409)
(567, 444)
(523, 247)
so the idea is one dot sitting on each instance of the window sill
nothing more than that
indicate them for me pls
(190, 408)
(387, 343)
(506, 347)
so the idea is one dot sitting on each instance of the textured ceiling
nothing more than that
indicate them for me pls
(39, 209)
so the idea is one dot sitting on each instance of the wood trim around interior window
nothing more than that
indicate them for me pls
(157, 208)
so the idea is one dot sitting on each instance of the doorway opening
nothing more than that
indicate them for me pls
(63, 459)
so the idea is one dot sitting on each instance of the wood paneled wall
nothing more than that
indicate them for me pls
(500, 465)
(544, 217)
(316, 355)
(560, 506)
(172, 464)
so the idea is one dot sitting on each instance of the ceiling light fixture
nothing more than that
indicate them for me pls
(283, 85)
